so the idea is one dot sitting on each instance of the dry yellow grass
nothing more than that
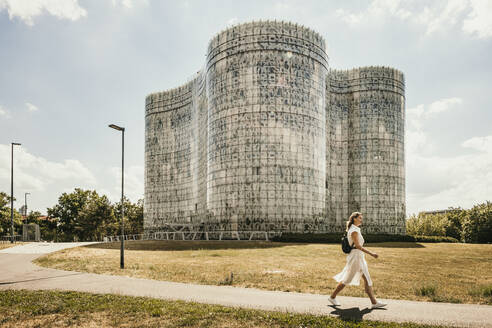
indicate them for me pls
(441, 272)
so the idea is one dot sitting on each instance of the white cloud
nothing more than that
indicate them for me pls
(134, 183)
(473, 16)
(435, 182)
(128, 4)
(441, 15)
(46, 180)
(442, 106)
(461, 181)
(479, 21)
(26, 10)
(36, 173)
(4, 113)
(232, 21)
(31, 107)
(376, 11)
(416, 141)
(482, 144)
(416, 115)
(349, 18)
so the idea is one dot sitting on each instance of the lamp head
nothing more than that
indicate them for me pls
(116, 127)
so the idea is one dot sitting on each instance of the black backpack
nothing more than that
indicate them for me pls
(346, 248)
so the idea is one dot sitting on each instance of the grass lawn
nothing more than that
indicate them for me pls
(443, 272)
(72, 309)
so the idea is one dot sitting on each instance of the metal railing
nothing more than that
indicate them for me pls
(197, 235)
(8, 239)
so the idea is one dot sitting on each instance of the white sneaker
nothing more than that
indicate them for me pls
(334, 301)
(378, 305)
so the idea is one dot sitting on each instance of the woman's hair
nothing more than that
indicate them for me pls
(351, 219)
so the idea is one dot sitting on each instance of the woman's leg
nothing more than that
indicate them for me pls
(369, 290)
(337, 290)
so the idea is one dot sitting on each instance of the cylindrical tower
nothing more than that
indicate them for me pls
(169, 196)
(339, 105)
(376, 168)
(266, 127)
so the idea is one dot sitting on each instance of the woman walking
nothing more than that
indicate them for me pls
(356, 266)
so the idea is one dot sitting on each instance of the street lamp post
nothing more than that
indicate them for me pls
(25, 203)
(12, 191)
(122, 247)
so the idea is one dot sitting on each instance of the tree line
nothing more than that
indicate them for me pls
(82, 215)
(472, 225)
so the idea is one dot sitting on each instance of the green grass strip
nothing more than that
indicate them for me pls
(72, 309)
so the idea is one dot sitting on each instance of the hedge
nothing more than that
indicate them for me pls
(331, 238)
(470, 226)
(435, 239)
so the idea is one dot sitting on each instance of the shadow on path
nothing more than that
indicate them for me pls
(351, 314)
(44, 278)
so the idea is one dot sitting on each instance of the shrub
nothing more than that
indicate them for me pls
(482, 291)
(381, 238)
(470, 226)
(332, 238)
(228, 281)
(426, 291)
(427, 225)
(435, 239)
(477, 225)
(454, 226)
(487, 291)
(308, 238)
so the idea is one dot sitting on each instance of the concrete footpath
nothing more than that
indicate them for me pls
(18, 272)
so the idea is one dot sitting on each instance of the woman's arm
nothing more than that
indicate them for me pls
(355, 238)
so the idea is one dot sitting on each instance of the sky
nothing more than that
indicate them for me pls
(68, 68)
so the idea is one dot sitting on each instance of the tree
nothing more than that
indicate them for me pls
(85, 215)
(47, 225)
(67, 211)
(96, 219)
(454, 227)
(477, 226)
(82, 215)
(469, 226)
(5, 223)
(22, 210)
(136, 217)
(33, 217)
(133, 216)
(427, 225)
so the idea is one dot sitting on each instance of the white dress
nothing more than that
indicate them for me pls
(356, 263)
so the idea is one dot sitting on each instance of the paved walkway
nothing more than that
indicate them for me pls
(41, 248)
(17, 272)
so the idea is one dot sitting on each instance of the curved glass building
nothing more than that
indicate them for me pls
(268, 138)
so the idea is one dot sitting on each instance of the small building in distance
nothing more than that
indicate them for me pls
(437, 212)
